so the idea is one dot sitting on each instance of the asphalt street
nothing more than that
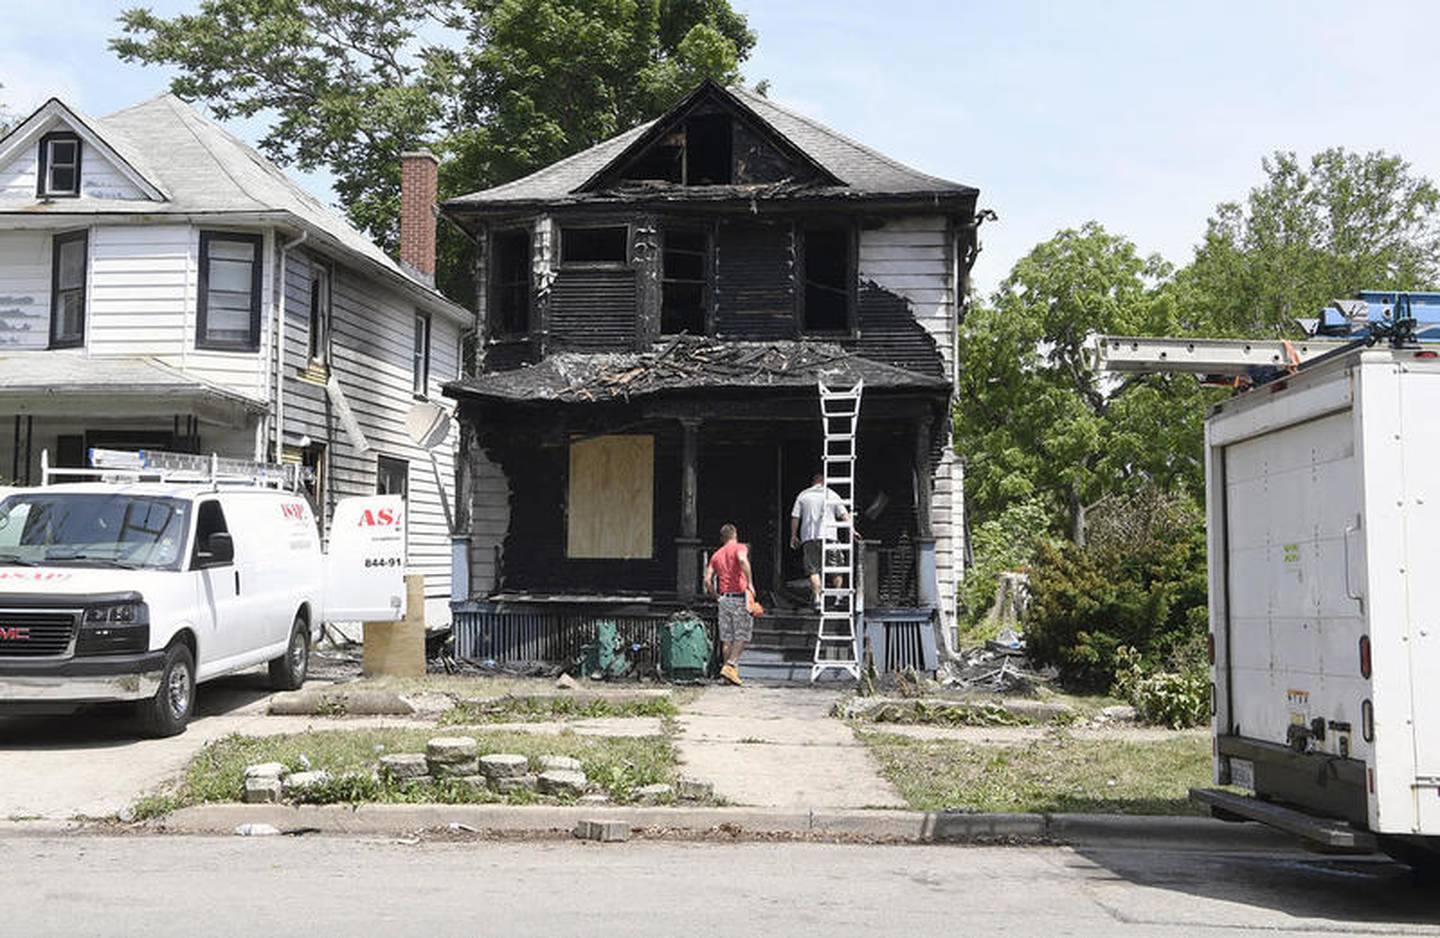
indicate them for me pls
(279, 886)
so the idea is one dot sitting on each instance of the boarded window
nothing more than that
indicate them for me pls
(611, 508)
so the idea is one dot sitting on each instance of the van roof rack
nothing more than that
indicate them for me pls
(110, 465)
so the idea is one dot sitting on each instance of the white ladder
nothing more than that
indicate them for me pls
(835, 639)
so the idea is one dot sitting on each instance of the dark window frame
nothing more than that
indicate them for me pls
(499, 328)
(396, 465)
(42, 178)
(625, 264)
(78, 340)
(202, 301)
(420, 357)
(802, 281)
(318, 352)
(707, 281)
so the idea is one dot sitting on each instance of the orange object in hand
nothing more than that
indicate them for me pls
(751, 605)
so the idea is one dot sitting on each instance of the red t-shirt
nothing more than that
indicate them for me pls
(726, 564)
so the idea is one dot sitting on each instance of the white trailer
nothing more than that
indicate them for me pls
(1323, 506)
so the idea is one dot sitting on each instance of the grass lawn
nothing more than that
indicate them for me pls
(548, 708)
(1055, 774)
(217, 773)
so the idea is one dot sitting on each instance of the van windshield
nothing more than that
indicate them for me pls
(92, 530)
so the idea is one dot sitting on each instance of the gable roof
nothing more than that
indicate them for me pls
(115, 148)
(855, 169)
(202, 169)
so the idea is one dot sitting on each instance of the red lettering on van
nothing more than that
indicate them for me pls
(293, 510)
(384, 518)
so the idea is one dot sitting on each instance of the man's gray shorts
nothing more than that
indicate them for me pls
(736, 624)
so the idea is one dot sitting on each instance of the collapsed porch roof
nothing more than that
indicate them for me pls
(689, 364)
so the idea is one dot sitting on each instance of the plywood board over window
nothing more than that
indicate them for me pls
(612, 498)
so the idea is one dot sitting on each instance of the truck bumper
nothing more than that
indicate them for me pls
(82, 680)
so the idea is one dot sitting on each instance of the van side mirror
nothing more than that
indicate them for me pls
(218, 550)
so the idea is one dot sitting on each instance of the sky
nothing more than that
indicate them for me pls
(1140, 115)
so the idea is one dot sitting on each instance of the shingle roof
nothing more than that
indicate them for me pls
(203, 169)
(861, 170)
(687, 364)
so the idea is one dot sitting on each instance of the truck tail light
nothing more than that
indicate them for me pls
(1370, 779)
(1367, 721)
(1210, 647)
(1427, 354)
(1365, 657)
(1212, 698)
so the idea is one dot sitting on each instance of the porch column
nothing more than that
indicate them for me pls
(687, 545)
(927, 580)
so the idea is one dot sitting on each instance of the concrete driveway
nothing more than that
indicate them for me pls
(93, 763)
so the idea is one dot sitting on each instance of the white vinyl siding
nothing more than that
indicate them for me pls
(914, 258)
(372, 356)
(99, 177)
(24, 290)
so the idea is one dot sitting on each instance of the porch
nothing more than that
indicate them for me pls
(613, 506)
(66, 404)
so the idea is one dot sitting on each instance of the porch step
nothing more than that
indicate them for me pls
(787, 672)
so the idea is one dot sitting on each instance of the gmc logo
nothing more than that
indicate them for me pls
(14, 634)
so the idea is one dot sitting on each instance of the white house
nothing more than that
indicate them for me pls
(164, 287)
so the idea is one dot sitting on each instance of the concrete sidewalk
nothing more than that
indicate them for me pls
(779, 747)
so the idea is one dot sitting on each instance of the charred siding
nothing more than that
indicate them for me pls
(755, 282)
(890, 334)
(533, 557)
(593, 309)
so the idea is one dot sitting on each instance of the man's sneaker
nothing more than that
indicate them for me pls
(815, 604)
(730, 674)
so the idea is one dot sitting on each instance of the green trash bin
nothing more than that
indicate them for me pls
(685, 649)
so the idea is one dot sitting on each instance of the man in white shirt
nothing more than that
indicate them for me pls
(812, 522)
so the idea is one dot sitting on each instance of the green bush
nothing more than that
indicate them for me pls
(1139, 583)
(1176, 699)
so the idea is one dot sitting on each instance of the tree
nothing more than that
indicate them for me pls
(1033, 419)
(1310, 234)
(498, 88)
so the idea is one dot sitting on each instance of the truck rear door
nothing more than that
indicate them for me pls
(1420, 513)
(1292, 513)
(365, 568)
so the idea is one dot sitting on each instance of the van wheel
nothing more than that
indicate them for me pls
(170, 709)
(288, 671)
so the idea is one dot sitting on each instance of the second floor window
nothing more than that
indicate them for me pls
(684, 294)
(510, 295)
(229, 309)
(421, 374)
(67, 297)
(828, 280)
(320, 314)
(59, 166)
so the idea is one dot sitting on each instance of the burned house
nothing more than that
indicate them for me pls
(656, 314)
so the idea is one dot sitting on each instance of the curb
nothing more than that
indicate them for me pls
(889, 825)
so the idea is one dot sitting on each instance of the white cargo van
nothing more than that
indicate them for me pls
(141, 585)
(1324, 550)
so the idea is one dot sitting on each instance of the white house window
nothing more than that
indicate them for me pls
(392, 476)
(67, 294)
(421, 375)
(59, 174)
(229, 313)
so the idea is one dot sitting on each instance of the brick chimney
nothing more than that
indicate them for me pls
(419, 170)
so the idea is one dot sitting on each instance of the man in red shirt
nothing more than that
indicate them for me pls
(729, 579)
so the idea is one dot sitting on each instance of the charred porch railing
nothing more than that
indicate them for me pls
(526, 637)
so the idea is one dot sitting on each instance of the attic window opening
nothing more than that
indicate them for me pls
(829, 275)
(59, 165)
(685, 285)
(708, 152)
(511, 292)
(609, 245)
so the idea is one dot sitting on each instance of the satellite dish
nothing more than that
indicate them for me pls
(428, 424)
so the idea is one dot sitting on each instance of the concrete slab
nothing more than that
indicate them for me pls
(779, 747)
(1014, 735)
